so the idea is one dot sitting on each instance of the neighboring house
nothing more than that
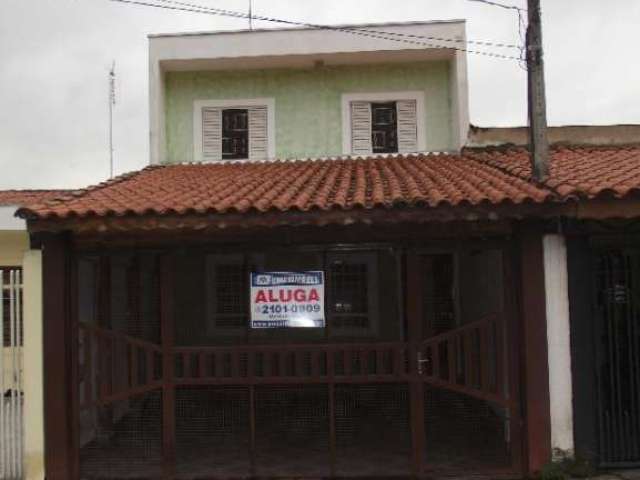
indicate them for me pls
(430, 278)
(20, 299)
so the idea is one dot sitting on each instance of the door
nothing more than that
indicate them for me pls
(463, 389)
(617, 328)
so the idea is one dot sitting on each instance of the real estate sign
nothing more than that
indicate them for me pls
(287, 300)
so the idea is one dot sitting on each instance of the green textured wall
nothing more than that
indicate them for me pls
(308, 102)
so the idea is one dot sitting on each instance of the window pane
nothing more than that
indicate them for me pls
(349, 305)
(235, 133)
(439, 295)
(229, 288)
(384, 127)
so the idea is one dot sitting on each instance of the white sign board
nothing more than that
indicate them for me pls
(287, 300)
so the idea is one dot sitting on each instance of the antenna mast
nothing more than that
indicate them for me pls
(112, 102)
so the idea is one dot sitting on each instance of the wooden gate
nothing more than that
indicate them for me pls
(11, 402)
(440, 401)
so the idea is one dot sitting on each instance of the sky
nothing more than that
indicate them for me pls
(55, 57)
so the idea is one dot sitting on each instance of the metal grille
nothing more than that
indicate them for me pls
(11, 401)
(122, 440)
(372, 430)
(349, 294)
(618, 346)
(464, 434)
(212, 432)
(292, 431)
(231, 304)
(438, 299)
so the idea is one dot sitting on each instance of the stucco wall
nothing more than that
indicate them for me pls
(308, 102)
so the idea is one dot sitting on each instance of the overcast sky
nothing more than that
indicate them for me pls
(55, 56)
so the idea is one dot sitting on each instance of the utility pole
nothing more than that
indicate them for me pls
(112, 102)
(536, 93)
(250, 14)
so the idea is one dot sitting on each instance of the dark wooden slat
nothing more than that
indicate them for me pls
(299, 364)
(252, 429)
(167, 289)
(133, 366)
(88, 366)
(380, 361)
(150, 366)
(332, 428)
(451, 359)
(484, 358)
(56, 349)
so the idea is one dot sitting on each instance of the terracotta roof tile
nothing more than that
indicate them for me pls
(24, 198)
(476, 176)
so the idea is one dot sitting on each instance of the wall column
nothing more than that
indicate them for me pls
(559, 345)
(57, 348)
(535, 358)
(33, 366)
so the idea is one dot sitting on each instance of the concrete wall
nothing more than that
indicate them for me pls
(33, 366)
(14, 251)
(308, 106)
(577, 135)
(559, 346)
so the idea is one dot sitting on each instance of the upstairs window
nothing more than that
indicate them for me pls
(234, 129)
(383, 123)
(384, 127)
(235, 134)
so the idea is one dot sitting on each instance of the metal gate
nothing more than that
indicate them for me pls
(618, 356)
(11, 404)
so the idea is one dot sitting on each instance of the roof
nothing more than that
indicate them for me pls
(475, 177)
(303, 26)
(24, 198)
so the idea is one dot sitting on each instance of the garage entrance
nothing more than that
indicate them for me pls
(413, 373)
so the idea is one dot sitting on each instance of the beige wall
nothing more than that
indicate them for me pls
(13, 245)
(33, 366)
(572, 134)
(15, 252)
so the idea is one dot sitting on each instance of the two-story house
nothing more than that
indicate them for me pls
(314, 277)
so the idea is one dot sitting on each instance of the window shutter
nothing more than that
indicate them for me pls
(407, 126)
(211, 133)
(361, 128)
(258, 136)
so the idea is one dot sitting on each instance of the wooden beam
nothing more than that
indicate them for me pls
(57, 338)
(167, 321)
(535, 361)
(414, 299)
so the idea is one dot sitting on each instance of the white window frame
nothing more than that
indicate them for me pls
(229, 103)
(374, 97)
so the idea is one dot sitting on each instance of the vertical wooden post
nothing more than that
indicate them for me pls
(252, 429)
(416, 385)
(57, 338)
(534, 341)
(167, 291)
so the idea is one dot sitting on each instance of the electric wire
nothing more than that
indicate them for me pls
(185, 7)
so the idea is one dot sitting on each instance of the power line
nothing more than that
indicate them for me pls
(186, 7)
(500, 5)
(233, 13)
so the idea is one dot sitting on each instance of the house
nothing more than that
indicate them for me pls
(20, 321)
(315, 277)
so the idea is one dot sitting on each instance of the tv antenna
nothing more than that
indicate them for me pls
(112, 102)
